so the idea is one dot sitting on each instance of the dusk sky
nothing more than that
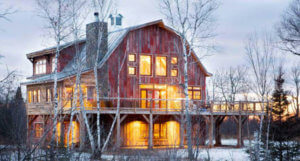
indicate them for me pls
(236, 19)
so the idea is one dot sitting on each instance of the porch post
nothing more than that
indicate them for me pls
(239, 130)
(118, 131)
(82, 131)
(150, 141)
(211, 130)
(181, 131)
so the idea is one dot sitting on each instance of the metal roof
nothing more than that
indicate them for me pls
(114, 39)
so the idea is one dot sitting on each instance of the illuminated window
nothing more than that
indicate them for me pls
(131, 70)
(174, 72)
(53, 64)
(131, 57)
(38, 130)
(159, 131)
(29, 99)
(194, 93)
(161, 66)
(190, 93)
(174, 60)
(49, 95)
(145, 65)
(36, 96)
(40, 66)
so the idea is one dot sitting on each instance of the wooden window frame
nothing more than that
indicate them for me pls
(40, 66)
(52, 64)
(192, 89)
(134, 71)
(166, 66)
(176, 72)
(35, 130)
(129, 57)
(151, 62)
(176, 60)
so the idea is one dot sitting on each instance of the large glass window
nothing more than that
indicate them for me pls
(40, 67)
(145, 65)
(161, 66)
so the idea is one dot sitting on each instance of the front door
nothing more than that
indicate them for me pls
(153, 98)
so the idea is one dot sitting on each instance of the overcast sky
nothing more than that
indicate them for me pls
(235, 20)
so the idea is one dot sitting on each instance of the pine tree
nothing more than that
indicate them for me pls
(278, 139)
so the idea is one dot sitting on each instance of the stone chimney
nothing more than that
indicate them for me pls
(92, 37)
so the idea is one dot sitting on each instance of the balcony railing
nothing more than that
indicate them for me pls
(145, 105)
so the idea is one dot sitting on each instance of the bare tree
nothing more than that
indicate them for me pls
(56, 14)
(5, 12)
(230, 83)
(289, 29)
(192, 21)
(295, 76)
(260, 55)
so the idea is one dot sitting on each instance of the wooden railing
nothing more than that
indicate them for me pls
(139, 105)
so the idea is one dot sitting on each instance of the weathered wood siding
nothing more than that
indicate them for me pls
(152, 40)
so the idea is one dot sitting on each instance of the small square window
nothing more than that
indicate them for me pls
(131, 70)
(131, 57)
(173, 60)
(174, 72)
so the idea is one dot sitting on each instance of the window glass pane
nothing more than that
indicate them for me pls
(174, 72)
(40, 67)
(53, 64)
(174, 60)
(131, 70)
(196, 88)
(161, 66)
(131, 57)
(38, 130)
(190, 93)
(145, 65)
(29, 96)
(197, 95)
(90, 93)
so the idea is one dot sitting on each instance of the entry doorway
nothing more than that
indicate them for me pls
(153, 98)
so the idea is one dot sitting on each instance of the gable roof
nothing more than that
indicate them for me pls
(114, 39)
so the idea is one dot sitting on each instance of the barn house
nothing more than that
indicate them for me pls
(145, 63)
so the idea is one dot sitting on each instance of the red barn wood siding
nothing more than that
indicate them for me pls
(155, 41)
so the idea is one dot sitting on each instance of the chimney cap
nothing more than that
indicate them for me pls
(96, 15)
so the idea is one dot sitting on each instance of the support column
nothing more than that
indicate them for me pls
(239, 131)
(82, 132)
(218, 123)
(118, 132)
(150, 141)
(211, 130)
(181, 144)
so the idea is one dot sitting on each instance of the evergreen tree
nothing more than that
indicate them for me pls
(278, 128)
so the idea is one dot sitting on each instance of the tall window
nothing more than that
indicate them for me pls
(38, 130)
(53, 64)
(161, 66)
(145, 65)
(29, 98)
(49, 94)
(36, 96)
(40, 66)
